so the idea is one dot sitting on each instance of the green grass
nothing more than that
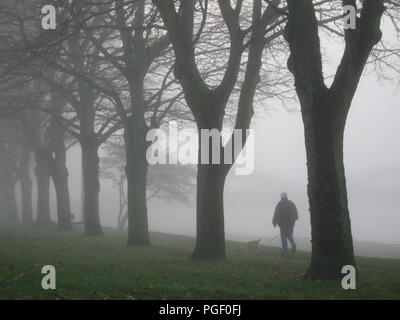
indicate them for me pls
(105, 268)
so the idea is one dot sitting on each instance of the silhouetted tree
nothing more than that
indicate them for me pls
(209, 104)
(130, 52)
(48, 141)
(324, 112)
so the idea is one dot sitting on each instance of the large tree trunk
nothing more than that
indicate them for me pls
(26, 185)
(136, 147)
(136, 172)
(210, 235)
(90, 161)
(91, 187)
(332, 244)
(324, 113)
(43, 192)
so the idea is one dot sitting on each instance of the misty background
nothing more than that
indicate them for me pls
(372, 162)
(372, 159)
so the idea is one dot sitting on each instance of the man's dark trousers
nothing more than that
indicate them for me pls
(287, 234)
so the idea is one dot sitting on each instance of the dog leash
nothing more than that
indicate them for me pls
(264, 242)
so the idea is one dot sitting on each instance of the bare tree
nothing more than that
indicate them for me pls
(209, 104)
(130, 51)
(324, 112)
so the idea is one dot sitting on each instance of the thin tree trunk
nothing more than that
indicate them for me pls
(43, 192)
(122, 204)
(26, 185)
(60, 179)
(90, 160)
(59, 173)
(90, 166)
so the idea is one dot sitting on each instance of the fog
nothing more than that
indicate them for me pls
(178, 150)
(372, 162)
(372, 159)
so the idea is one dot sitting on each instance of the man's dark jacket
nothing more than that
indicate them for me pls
(285, 214)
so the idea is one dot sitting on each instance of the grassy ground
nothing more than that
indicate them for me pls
(105, 268)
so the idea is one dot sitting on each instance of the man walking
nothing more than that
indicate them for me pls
(285, 217)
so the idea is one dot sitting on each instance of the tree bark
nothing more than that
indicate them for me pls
(43, 197)
(26, 185)
(210, 235)
(136, 172)
(91, 186)
(59, 173)
(43, 192)
(332, 244)
(60, 179)
(90, 143)
(324, 112)
(122, 204)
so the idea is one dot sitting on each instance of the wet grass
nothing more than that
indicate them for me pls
(105, 268)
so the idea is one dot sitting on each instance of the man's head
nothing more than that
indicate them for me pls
(284, 196)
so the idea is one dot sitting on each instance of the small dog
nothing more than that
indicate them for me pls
(255, 244)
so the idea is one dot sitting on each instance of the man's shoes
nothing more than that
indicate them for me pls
(294, 249)
(284, 253)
